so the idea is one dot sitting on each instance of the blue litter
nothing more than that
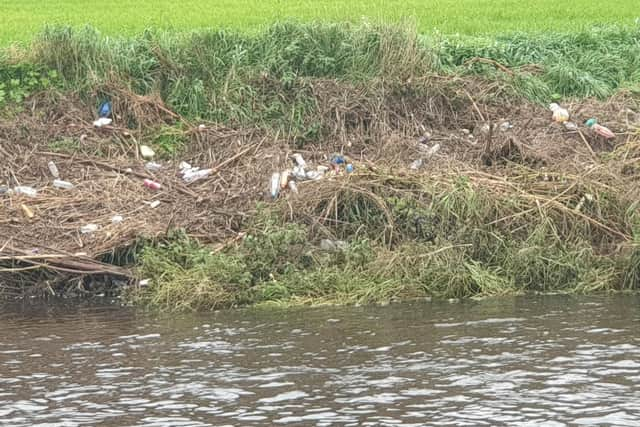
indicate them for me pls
(338, 160)
(105, 109)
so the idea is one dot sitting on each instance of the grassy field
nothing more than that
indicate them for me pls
(22, 19)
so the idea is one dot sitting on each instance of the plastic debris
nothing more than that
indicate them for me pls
(154, 204)
(424, 138)
(102, 121)
(3, 189)
(299, 160)
(27, 211)
(505, 126)
(275, 184)
(416, 164)
(191, 174)
(570, 126)
(104, 110)
(89, 228)
(603, 131)
(323, 169)
(284, 179)
(428, 152)
(486, 129)
(433, 150)
(586, 198)
(293, 187)
(195, 175)
(560, 115)
(349, 168)
(23, 190)
(53, 169)
(65, 185)
(152, 166)
(299, 173)
(152, 184)
(144, 282)
(116, 219)
(337, 159)
(333, 245)
(201, 127)
(314, 175)
(146, 152)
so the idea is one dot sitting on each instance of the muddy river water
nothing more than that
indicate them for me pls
(524, 361)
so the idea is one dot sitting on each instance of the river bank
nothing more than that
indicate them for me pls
(462, 183)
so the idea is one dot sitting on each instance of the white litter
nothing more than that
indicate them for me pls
(146, 152)
(102, 121)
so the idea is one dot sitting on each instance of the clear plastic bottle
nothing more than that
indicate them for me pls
(25, 191)
(299, 160)
(53, 169)
(66, 185)
(275, 184)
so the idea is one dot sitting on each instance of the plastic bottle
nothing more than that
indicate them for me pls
(314, 175)
(284, 179)
(152, 166)
(152, 184)
(66, 185)
(560, 115)
(275, 184)
(603, 131)
(25, 191)
(299, 160)
(193, 175)
(89, 228)
(299, 173)
(53, 169)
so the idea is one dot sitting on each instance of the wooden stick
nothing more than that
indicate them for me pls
(593, 154)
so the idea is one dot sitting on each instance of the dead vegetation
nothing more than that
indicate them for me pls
(509, 151)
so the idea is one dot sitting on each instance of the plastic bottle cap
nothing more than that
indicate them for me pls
(590, 122)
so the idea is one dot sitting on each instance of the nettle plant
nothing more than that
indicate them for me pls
(17, 82)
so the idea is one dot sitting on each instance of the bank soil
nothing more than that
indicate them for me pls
(527, 169)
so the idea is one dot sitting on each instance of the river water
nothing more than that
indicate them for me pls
(519, 361)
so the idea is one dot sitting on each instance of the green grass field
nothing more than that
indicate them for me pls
(22, 19)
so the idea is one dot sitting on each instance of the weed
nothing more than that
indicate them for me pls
(64, 146)
(19, 81)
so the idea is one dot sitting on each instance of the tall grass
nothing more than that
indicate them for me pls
(267, 78)
(460, 251)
